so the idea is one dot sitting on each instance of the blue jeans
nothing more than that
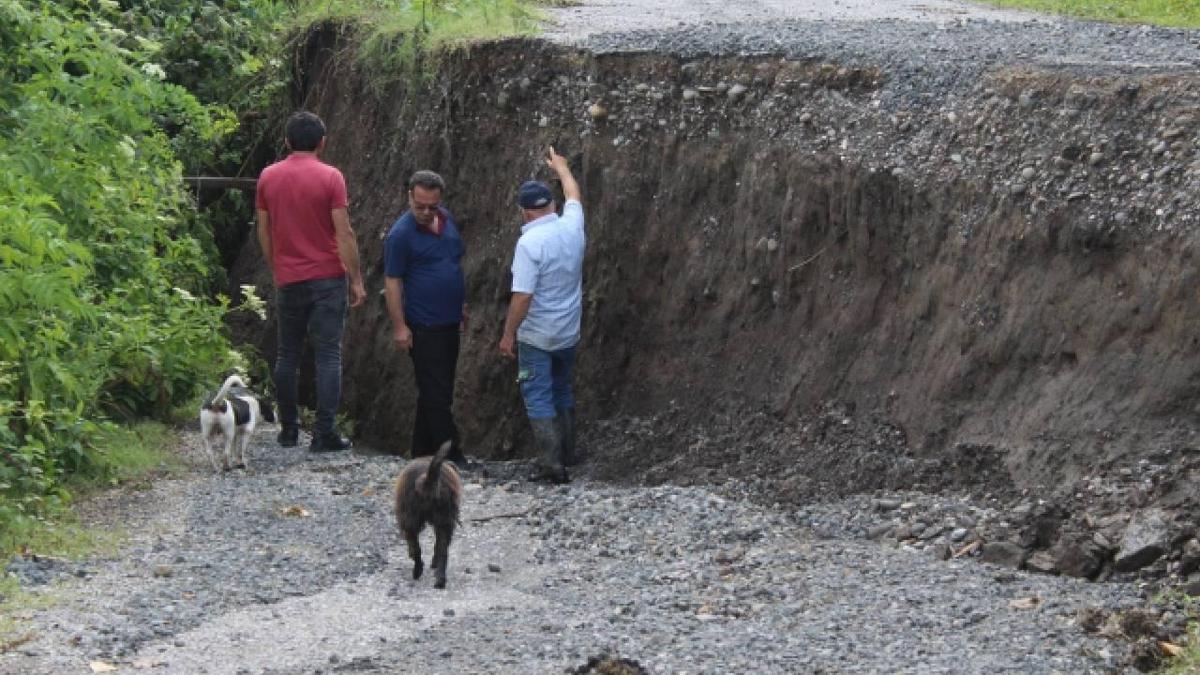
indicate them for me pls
(317, 310)
(545, 379)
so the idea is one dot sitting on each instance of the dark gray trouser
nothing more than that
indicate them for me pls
(434, 355)
(315, 310)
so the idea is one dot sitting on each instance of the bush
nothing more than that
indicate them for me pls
(102, 260)
(108, 309)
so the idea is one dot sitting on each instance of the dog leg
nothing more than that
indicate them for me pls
(248, 432)
(243, 441)
(230, 439)
(235, 459)
(414, 552)
(441, 554)
(208, 448)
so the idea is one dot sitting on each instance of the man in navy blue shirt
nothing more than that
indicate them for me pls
(426, 298)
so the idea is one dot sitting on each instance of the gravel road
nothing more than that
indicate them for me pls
(295, 566)
(931, 51)
(593, 17)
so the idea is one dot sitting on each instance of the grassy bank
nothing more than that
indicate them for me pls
(125, 457)
(1174, 13)
(128, 458)
(395, 38)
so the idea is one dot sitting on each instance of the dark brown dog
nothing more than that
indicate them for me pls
(428, 490)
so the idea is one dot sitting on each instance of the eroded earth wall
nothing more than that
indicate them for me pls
(998, 285)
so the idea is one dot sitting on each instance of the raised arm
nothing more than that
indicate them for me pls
(569, 185)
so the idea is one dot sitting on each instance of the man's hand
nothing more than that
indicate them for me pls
(402, 338)
(347, 250)
(557, 162)
(358, 293)
(508, 346)
(518, 307)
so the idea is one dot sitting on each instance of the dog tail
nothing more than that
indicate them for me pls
(435, 464)
(230, 382)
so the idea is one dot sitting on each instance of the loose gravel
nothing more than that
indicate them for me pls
(295, 566)
(930, 50)
(593, 17)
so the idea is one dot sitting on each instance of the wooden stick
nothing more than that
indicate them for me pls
(484, 519)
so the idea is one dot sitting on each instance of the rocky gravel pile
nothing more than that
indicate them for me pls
(1098, 120)
(295, 566)
(1130, 523)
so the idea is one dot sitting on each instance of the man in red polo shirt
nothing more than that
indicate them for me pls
(306, 238)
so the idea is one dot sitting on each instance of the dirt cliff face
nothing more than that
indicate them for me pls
(785, 278)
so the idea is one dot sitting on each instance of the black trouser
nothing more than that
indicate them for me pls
(314, 309)
(435, 357)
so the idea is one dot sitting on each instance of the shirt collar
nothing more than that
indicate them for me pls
(548, 218)
(437, 227)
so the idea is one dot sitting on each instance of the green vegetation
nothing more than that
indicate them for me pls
(1187, 662)
(109, 274)
(13, 602)
(124, 455)
(1177, 13)
(131, 454)
(1183, 658)
(58, 534)
(104, 268)
(108, 309)
(393, 37)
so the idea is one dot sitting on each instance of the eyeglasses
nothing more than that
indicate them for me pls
(424, 207)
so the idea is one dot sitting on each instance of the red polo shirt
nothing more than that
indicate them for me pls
(299, 194)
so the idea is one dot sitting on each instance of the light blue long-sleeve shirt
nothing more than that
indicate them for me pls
(548, 264)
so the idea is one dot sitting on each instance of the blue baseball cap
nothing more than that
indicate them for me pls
(534, 194)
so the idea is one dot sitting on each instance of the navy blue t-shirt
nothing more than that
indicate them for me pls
(431, 267)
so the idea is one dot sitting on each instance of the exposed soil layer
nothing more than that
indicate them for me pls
(796, 275)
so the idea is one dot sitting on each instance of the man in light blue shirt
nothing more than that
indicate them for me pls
(542, 327)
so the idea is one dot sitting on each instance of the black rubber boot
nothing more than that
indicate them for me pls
(331, 442)
(289, 436)
(549, 443)
(571, 455)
